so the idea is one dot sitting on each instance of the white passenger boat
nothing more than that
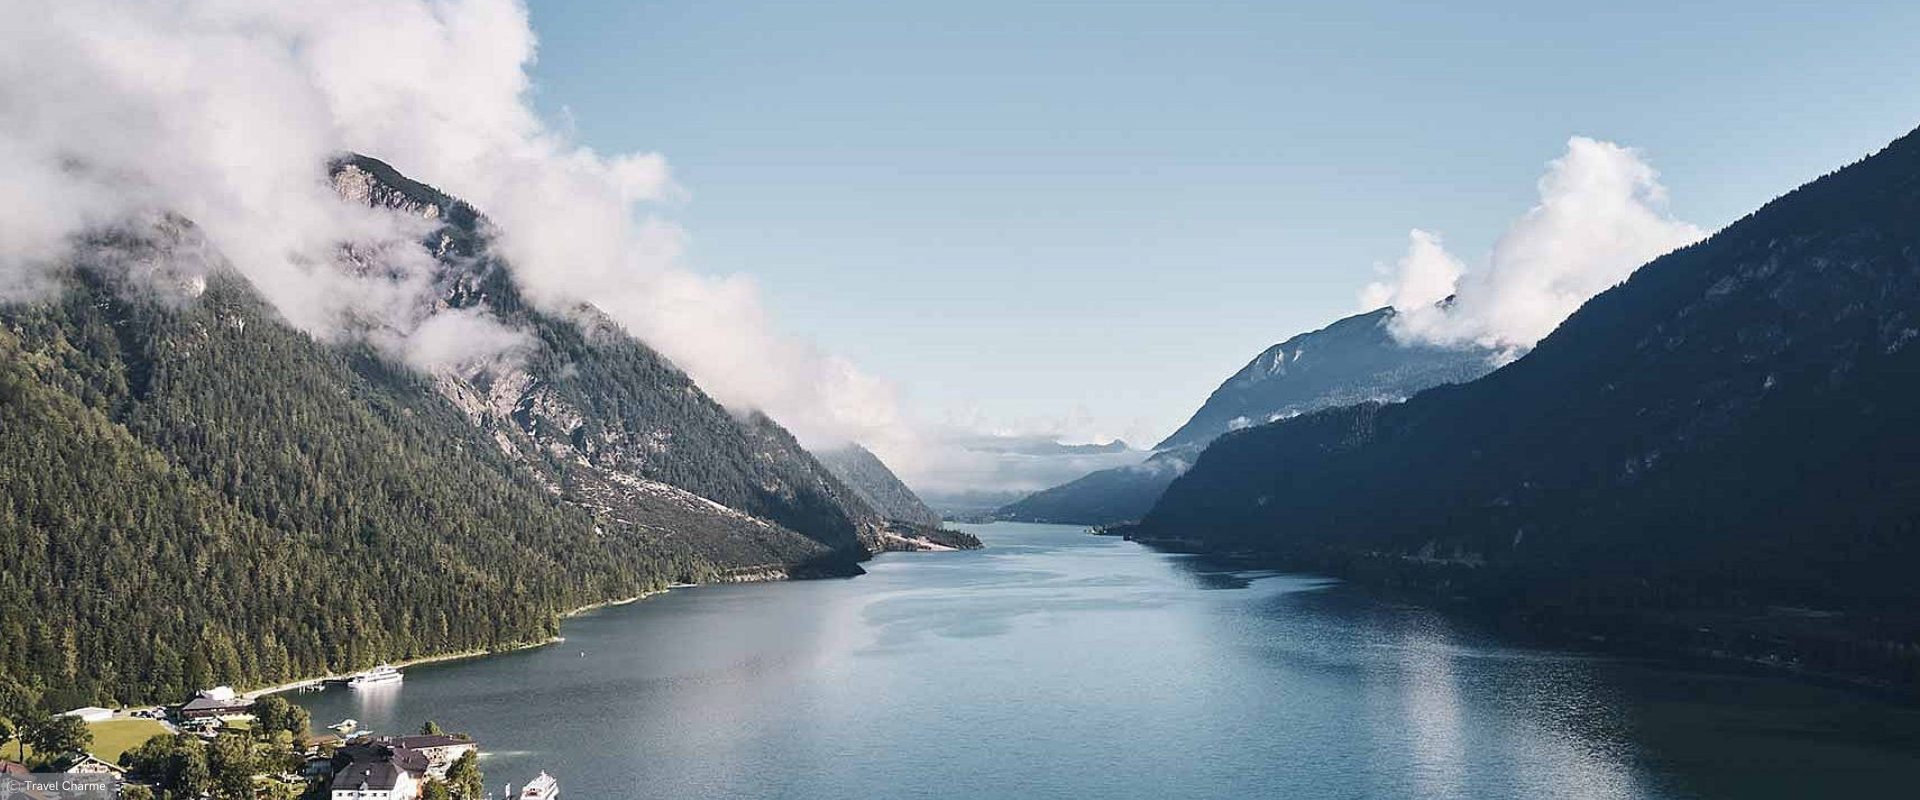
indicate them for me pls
(382, 675)
(541, 788)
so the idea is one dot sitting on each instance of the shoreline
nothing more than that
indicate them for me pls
(1746, 641)
(303, 683)
(758, 574)
(255, 694)
(621, 601)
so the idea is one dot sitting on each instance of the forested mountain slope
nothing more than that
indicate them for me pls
(193, 492)
(868, 476)
(200, 495)
(1735, 425)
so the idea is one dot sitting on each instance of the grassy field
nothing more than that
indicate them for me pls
(110, 739)
(113, 737)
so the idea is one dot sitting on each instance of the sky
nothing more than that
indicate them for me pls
(1078, 218)
(959, 234)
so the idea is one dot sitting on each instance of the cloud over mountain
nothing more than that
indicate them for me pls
(1602, 213)
(226, 113)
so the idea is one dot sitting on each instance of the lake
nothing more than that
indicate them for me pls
(1055, 664)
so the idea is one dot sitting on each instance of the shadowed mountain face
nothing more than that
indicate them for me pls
(1354, 360)
(869, 477)
(1734, 425)
(260, 506)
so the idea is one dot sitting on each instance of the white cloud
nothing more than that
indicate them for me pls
(968, 460)
(1602, 213)
(1426, 275)
(462, 340)
(971, 450)
(226, 111)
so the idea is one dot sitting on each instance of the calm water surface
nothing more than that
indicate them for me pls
(1060, 665)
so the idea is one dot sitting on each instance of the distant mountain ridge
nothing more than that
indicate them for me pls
(1353, 360)
(1735, 426)
(869, 477)
(1102, 497)
(909, 524)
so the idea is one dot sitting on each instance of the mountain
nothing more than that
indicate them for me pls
(1353, 360)
(194, 492)
(869, 477)
(1042, 446)
(1734, 427)
(910, 524)
(1102, 497)
(971, 505)
(603, 418)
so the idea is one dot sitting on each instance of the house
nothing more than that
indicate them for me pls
(13, 771)
(376, 771)
(440, 749)
(216, 693)
(90, 764)
(374, 780)
(204, 707)
(91, 714)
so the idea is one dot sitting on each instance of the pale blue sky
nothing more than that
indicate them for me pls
(1037, 211)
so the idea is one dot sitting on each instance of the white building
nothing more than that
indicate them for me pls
(378, 772)
(91, 714)
(90, 764)
(375, 780)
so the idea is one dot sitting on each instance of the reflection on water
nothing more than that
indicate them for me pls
(374, 702)
(1060, 665)
(1431, 703)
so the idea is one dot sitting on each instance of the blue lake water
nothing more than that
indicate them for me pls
(1055, 664)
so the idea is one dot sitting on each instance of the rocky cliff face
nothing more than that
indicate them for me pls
(602, 418)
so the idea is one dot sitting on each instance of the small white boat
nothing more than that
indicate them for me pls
(382, 675)
(345, 725)
(541, 788)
